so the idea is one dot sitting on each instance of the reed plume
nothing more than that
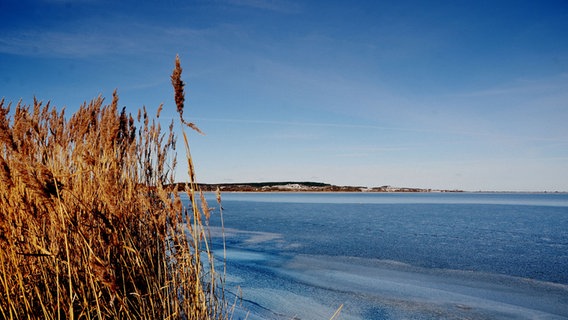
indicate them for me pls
(179, 94)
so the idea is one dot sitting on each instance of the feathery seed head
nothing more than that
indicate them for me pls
(178, 85)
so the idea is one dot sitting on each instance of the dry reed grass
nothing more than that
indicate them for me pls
(88, 229)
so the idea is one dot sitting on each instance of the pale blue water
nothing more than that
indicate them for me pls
(398, 256)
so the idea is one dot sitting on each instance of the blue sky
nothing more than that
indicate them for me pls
(470, 95)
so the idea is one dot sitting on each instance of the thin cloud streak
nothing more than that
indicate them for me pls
(377, 127)
(82, 41)
(272, 5)
(555, 83)
(63, 44)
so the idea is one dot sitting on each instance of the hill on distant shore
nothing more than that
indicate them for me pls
(302, 186)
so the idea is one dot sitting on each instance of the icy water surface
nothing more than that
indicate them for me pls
(397, 256)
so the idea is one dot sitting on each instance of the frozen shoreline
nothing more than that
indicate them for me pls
(312, 287)
(447, 293)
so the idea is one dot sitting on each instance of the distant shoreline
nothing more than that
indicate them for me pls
(304, 186)
(307, 186)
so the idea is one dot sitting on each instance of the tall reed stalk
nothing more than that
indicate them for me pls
(88, 227)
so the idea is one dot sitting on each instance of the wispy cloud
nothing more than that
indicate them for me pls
(378, 127)
(352, 155)
(58, 43)
(298, 123)
(360, 153)
(70, 1)
(272, 5)
(116, 36)
(295, 136)
(523, 86)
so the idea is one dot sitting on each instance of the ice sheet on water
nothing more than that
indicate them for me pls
(446, 293)
(279, 304)
(244, 255)
(250, 237)
(310, 287)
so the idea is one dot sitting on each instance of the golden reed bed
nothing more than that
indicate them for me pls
(87, 228)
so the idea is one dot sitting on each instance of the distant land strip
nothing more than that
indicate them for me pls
(304, 186)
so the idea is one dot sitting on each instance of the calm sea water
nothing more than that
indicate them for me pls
(385, 256)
